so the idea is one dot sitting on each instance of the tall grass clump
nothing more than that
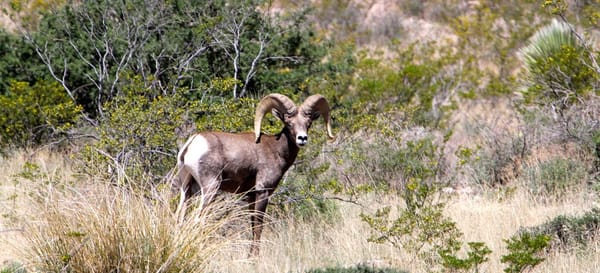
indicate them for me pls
(102, 228)
(555, 177)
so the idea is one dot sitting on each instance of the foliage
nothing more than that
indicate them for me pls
(585, 13)
(231, 115)
(558, 70)
(18, 62)
(35, 114)
(570, 231)
(176, 44)
(555, 177)
(422, 232)
(303, 192)
(489, 34)
(421, 228)
(476, 256)
(138, 137)
(356, 269)
(418, 84)
(524, 252)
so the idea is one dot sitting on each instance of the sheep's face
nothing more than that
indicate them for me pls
(298, 126)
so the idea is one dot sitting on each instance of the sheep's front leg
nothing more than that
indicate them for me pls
(258, 206)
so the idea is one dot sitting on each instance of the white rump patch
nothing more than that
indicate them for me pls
(197, 147)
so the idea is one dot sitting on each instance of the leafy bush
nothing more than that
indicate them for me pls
(558, 67)
(188, 46)
(356, 269)
(420, 231)
(488, 36)
(18, 61)
(524, 250)
(138, 137)
(421, 228)
(570, 231)
(418, 88)
(476, 255)
(35, 114)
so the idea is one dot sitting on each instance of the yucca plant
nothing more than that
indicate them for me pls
(546, 43)
(557, 67)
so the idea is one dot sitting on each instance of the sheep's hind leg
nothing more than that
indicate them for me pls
(209, 190)
(184, 186)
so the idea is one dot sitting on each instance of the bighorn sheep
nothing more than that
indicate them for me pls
(249, 163)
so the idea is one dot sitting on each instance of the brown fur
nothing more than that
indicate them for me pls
(249, 163)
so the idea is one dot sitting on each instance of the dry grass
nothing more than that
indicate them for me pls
(296, 247)
(93, 226)
(288, 245)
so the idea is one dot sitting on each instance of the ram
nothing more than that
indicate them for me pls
(249, 163)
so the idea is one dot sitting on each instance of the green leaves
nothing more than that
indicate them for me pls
(420, 227)
(138, 137)
(559, 71)
(476, 255)
(35, 114)
(523, 252)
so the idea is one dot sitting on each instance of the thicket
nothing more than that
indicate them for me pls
(567, 232)
(173, 45)
(18, 62)
(35, 114)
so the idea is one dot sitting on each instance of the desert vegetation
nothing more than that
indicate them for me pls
(467, 134)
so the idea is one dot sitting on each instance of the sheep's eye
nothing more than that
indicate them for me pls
(315, 115)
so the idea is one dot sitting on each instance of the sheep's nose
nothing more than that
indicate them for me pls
(301, 140)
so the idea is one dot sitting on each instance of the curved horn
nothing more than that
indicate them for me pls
(318, 104)
(279, 102)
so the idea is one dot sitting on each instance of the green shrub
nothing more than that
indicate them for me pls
(18, 61)
(35, 114)
(188, 46)
(558, 67)
(570, 231)
(421, 231)
(302, 194)
(388, 163)
(420, 227)
(137, 138)
(416, 86)
(476, 255)
(524, 251)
